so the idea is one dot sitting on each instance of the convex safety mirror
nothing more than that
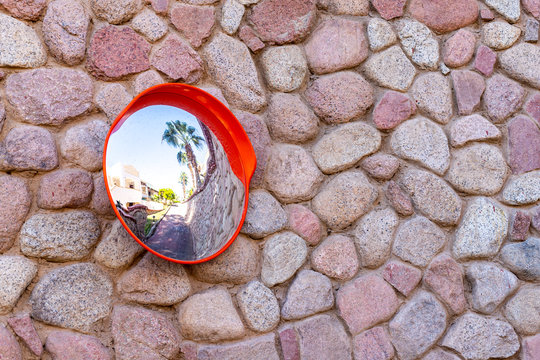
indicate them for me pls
(177, 165)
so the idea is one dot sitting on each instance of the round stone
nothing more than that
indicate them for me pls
(418, 43)
(521, 62)
(380, 166)
(523, 189)
(148, 24)
(523, 145)
(16, 273)
(459, 49)
(15, 201)
(232, 12)
(500, 35)
(523, 258)
(20, 45)
(289, 119)
(284, 67)
(65, 188)
(345, 7)
(194, 22)
(114, 11)
(468, 87)
(433, 96)
(510, 9)
(176, 59)
(445, 277)
(9, 347)
(112, 99)
(305, 223)
(523, 310)
(472, 128)
(28, 148)
(264, 215)
(309, 293)
(443, 16)
(25, 9)
(336, 257)
(117, 249)
(146, 80)
(283, 254)
(259, 306)
(391, 69)
(392, 110)
(380, 34)
(63, 345)
(389, 9)
(83, 144)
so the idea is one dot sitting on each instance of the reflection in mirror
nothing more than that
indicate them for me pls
(172, 183)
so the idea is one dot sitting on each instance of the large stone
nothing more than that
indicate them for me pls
(24, 328)
(366, 301)
(210, 316)
(49, 96)
(344, 199)
(154, 281)
(237, 78)
(500, 35)
(112, 99)
(510, 9)
(380, 34)
(392, 110)
(523, 310)
(391, 68)
(74, 296)
(283, 21)
(238, 264)
(523, 145)
(373, 344)
(348, 89)
(481, 231)
(345, 146)
(417, 325)
(478, 337)
(459, 49)
(433, 96)
(444, 16)
(259, 306)
(380, 166)
(491, 285)
(522, 189)
(65, 188)
(374, 235)
(16, 273)
(282, 255)
(336, 257)
(25, 9)
(469, 87)
(117, 249)
(424, 141)
(257, 132)
(9, 347)
(438, 354)
(284, 67)
(472, 128)
(176, 59)
(194, 22)
(141, 334)
(418, 43)
(264, 216)
(15, 201)
(335, 45)
(28, 148)
(345, 7)
(289, 119)
(418, 240)
(83, 144)
(115, 52)
(403, 277)
(523, 258)
(445, 278)
(305, 223)
(432, 196)
(478, 169)
(260, 347)
(114, 11)
(20, 45)
(521, 62)
(309, 293)
(389, 9)
(291, 174)
(149, 25)
(68, 345)
(64, 30)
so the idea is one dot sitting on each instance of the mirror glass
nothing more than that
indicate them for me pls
(172, 183)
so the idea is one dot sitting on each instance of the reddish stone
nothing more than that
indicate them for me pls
(399, 200)
(160, 6)
(305, 223)
(366, 301)
(502, 97)
(520, 225)
(445, 278)
(178, 60)
(25, 9)
(389, 9)
(336, 257)
(523, 144)
(67, 345)
(189, 350)
(100, 200)
(468, 87)
(194, 22)
(373, 344)
(402, 276)
(28, 148)
(487, 15)
(533, 107)
(380, 166)
(289, 344)
(393, 108)
(65, 188)
(24, 328)
(532, 6)
(444, 16)
(535, 221)
(15, 200)
(485, 60)
(530, 347)
(283, 21)
(257, 132)
(459, 49)
(248, 36)
(117, 51)
(9, 347)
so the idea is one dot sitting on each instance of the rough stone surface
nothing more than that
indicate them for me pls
(176, 59)
(472, 128)
(373, 344)
(9, 347)
(502, 97)
(521, 62)
(264, 216)
(510, 9)
(83, 144)
(532, 6)
(418, 43)
(531, 31)
(100, 202)
(289, 119)
(194, 22)
(485, 60)
(523, 189)
(28, 148)
(117, 249)
(445, 277)
(523, 144)
(345, 7)
(20, 45)
(309, 293)
(305, 223)
(380, 34)
(389, 9)
(403, 277)
(248, 36)
(260, 139)
(115, 12)
(146, 80)
(392, 110)
(261, 347)
(15, 201)
(259, 306)
(16, 274)
(433, 96)
(532, 107)
(459, 49)
(149, 25)
(24, 328)
(523, 310)
(231, 16)
(530, 349)
(520, 225)
(65, 188)
(391, 69)
(469, 87)
(282, 255)
(438, 354)
(74, 296)
(380, 166)
(500, 35)
(26, 9)
(336, 257)
(67, 345)
(443, 16)
(535, 221)
(285, 67)
(523, 258)
(112, 99)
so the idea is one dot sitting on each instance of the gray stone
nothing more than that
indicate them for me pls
(424, 141)
(419, 43)
(74, 296)
(146, 80)
(149, 25)
(114, 11)
(521, 62)
(510, 9)
(344, 199)
(432, 94)
(438, 354)
(309, 293)
(290, 120)
(491, 285)
(481, 231)
(336, 257)
(284, 67)
(112, 99)
(117, 249)
(260, 347)
(20, 45)
(418, 240)
(237, 78)
(417, 326)
(523, 310)
(264, 215)
(100, 202)
(83, 144)
(500, 35)
(28, 148)
(60, 236)
(283, 254)
(391, 68)
(531, 30)
(344, 146)
(522, 189)
(231, 16)
(478, 337)
(374, 236)
(259, 306)
(16, 273)
(523, 258)
(472, 128)
(380, 34)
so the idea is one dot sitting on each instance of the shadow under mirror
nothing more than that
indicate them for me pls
(172, 183)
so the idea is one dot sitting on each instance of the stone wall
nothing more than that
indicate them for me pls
(394, 212)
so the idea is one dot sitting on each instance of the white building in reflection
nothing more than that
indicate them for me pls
(127, 187)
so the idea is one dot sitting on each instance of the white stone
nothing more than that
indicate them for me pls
(522, 189)
(380, 34)
(500, 35)
(432, 94)
(419, 43)
(20, 46)
(284, 67)
(283, 254)
(231, 16)
(148, 24)
(16, 273)
(391, 68)
(472, 128)
(510, 9)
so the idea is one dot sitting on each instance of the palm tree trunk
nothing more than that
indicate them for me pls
(193, 162)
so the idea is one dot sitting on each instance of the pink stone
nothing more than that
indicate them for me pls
(402, 276)
(100, 200)
(530, 348)
(24, 9)
(393, 109)
(445, 278)
(472, 128)
(535, 221)
(28, 148)
(335, 257)
(160, 6)
(468, 87)
(444, 16)
(194, 22)
(373, 344)
(389, 9)
(257, 132)
(486, 15)
(289, 344)
(520, 225)
(380, 166)
(178, 60)
(283, 21)
(115, 52)
(189, 350)
(399, 200)
(67, 345)
(305, 223)
(366, 301)
(65, 188)
(485, 60)
(459, 49)
(15, 201)
(24, 328)
(335, 45)
(9, 347)
(248, 36)
(533, 107)
(502, 97)
(523, 144)
(532, 6)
